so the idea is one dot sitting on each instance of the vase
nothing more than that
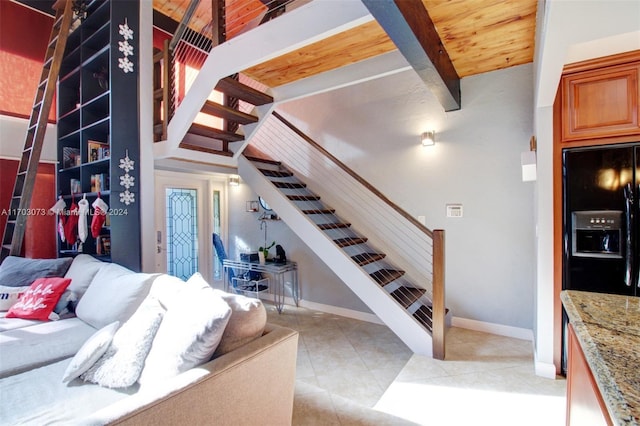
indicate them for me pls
(261, 257)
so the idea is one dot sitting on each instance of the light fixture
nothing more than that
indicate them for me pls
(428, 138)
(234, 180)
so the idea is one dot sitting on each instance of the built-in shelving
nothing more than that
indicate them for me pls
(98, 124)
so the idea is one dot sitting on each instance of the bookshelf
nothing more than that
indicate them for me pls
(98, 128)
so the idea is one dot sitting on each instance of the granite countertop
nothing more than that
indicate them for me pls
(608, 329)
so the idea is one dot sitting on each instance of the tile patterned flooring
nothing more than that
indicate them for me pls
(353, 372)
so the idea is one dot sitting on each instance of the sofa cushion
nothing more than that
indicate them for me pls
(247, 322)
(90, 351)
(38, 397)
(113, 295)
(82, 270)
(189, 333)
(23, 348)
(39, 299)
(122, 363)
(165, 288)
(9, 296)
(20, 272)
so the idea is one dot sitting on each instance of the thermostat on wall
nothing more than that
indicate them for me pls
(454, 210)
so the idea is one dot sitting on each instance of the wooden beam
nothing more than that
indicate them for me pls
(408, 24)
(439, 300)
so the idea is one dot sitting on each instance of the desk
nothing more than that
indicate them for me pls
(277, 271)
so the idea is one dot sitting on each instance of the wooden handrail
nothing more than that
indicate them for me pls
(438, 311)
(356, 176)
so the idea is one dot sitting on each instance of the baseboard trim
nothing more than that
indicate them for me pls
(492, 328)
(335, 310)
(546, 370)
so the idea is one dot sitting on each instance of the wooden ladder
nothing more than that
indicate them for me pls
(13, 236)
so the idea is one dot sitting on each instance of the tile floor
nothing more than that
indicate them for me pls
(352, 372)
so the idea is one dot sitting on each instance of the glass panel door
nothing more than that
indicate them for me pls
(182, 231)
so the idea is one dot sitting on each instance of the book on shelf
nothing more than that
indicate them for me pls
(103, 244)
(98, 150)
(99, 182)
(74, 186)
(70, 157)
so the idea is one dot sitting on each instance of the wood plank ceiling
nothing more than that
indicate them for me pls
(479, 36)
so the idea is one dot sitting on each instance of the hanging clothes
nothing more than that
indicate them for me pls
(83, 213)
(99, 216)
(71, 224)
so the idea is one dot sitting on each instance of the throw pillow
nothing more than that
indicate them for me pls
(82, 270)
(63, 306)
(39, 300)
(189, 333)
(90, 351)
(9, 296)
(247, 322)
(121, 364)
(20, 272)
(113, 295)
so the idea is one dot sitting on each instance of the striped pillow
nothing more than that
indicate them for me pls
(9, 296)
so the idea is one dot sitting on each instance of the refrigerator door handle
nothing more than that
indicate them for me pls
(628, 213)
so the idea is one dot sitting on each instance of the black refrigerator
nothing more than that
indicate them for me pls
(600, 221)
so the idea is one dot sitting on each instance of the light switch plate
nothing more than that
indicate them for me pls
(454, 210)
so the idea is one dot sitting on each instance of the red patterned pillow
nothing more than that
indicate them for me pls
(39, 300)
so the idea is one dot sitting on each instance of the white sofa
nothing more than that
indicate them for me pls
(249, 379)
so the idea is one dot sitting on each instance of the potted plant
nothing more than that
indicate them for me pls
(264, 251)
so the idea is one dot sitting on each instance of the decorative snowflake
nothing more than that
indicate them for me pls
(125, 31)
(127, 181)
(127, 197)
(126, 163)
(125, 48)
(125, 65)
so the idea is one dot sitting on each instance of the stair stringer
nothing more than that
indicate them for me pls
(302, 26)
(417, 338)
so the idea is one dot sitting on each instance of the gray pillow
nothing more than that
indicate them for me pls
(82, 270)
(20, 272)
(113, 295)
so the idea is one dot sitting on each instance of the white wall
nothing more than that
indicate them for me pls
(374, 128)
(13, 132)
(318, 284)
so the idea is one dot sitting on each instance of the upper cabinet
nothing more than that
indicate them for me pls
(601, 102)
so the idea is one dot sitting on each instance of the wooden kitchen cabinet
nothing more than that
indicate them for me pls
(585, 405)
(601, 102)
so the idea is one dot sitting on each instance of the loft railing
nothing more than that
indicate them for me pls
(413, 247)
(203, 26)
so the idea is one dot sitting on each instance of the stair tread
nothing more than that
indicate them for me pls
(262, 160)
(407, 295)
(205, 149)
(385, 276)
(424, 315)
(352, 241)
(235, 89)
(303, 197)
(289, 185)
(200, 130)
(336, 225)
(319, 211)
(226, 113)
(366, 258)
(275, 173)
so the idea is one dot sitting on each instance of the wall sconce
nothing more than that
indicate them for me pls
(428, 138)
(528, 160)
(234, 180)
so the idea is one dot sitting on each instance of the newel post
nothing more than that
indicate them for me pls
(439, 310)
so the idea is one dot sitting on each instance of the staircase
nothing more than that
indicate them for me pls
(402, 305)
(13, 235)
(230, 88)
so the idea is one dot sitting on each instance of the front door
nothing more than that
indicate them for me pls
(188, 211)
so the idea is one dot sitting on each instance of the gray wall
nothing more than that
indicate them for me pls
(317, 282)
(374, 128)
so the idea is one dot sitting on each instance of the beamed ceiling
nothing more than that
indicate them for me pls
(478, 35)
